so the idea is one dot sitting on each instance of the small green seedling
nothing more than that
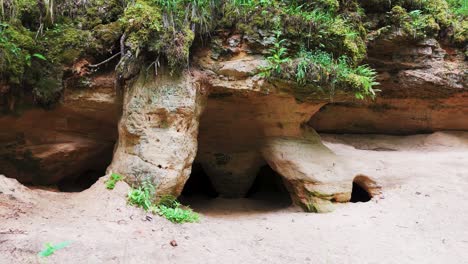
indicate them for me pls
(114, 178)
(50, 249)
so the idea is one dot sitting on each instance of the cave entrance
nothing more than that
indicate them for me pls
(198, 184)
(360, 191)
(89, 172)
(82, 181)
(266, 193)
(268, 187)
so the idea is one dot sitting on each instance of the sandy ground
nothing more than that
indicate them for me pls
(422, 217)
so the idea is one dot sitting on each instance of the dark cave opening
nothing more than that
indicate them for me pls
(92, 170)
(268, 186)
(267, 192)
(359, 194)
(198, 184)
(82, 181)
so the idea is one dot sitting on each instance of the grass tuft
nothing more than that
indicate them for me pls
(167, 206)
(114, 178)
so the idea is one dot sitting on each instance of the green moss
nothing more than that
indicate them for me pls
(149, 29)
(16, 46)
(415, 25)
(321, 195)
(101, 12)
(106, 37)
(315, 25)
(142, 22)
(317, 205)
(65, 43)
(161, 32)
(460, 36)
(22, 11)
(35, 49)
(423, 18)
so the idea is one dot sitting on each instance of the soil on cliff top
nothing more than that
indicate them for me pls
(420, 218)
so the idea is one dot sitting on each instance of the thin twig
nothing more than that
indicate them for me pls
(102, 62)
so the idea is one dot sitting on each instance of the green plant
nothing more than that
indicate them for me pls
(113, 179)
(277, 57)
(142, 196)
(459, 7)
(50, 249)
(172, 210)
(177, 214)
(318, 69)
(168, 201)
(167, 206)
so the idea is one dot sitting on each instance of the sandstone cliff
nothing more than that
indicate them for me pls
(252, 95)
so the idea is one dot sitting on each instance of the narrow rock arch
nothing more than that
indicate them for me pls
(364, 189)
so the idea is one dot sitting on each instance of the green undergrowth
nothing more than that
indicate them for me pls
(320, 71)
(166, 206)
(419, 19)
(40, 40)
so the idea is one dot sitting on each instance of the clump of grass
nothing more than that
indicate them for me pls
(114, 178)
(167, 206)
(172, 210)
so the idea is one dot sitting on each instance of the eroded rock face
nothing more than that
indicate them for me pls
(158, 132)
(45, 146)
(315, 176)
(246, 124)
(232, 122)
(424, 89)
(241, 111)
(231, 173)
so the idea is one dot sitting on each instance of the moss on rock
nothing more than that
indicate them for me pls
(162, 32)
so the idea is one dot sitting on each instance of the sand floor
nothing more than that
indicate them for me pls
(421, 217)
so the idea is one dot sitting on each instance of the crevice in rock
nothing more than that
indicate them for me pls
(363, 189)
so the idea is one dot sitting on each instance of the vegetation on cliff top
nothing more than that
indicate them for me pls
(418, 19)
(323, 41)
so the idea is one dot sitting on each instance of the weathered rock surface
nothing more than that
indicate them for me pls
(45, 146)
(424, 89)
(242, 67)
(233, 123)
(231, 173)
(315, 176)
(158, 132)
(239, 114)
